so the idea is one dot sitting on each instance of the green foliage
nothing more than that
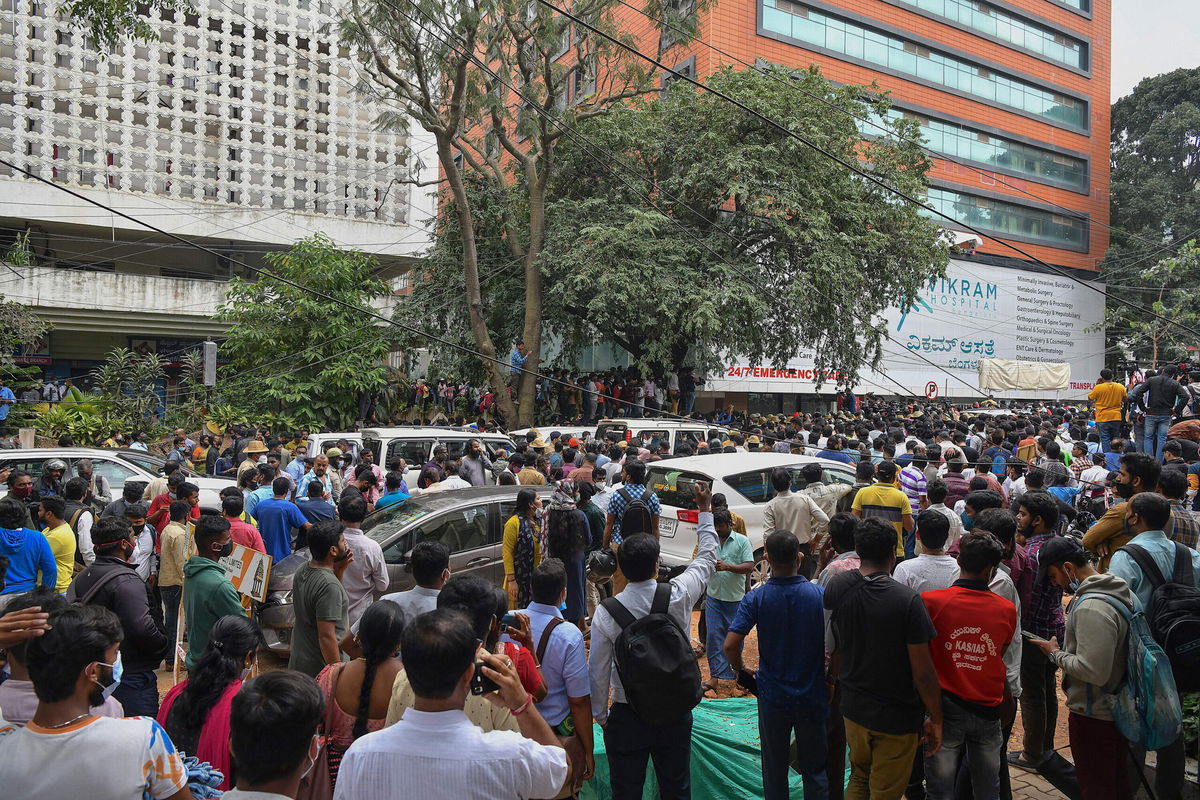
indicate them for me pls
(86, 424)
(127, 383)
(107, 23)
(1191, 719)
(18, 325)
(1172, 290)
(344, 351)
(1155, 204)
(767, 247)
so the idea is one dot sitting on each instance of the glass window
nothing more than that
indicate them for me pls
(31, 465)
(414, 451)
(674, 487)
(460, 530)
(116, 474)
(1011, 28)
(1001, 217)
(960, 141)
(810, 26)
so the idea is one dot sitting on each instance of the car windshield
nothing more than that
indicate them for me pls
(674, 487)
(613, 431)
(382, 524)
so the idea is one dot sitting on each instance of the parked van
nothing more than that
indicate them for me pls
(648, 429)
(415, 445)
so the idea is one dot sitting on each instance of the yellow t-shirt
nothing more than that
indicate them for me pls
(1109, 397)
(63, 545)
(885, 501)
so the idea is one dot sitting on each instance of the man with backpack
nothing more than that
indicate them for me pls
(633, 508)
(1165, 577)
(644, 632)
(1092, 658)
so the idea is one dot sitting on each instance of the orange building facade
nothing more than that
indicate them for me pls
(1016, 92)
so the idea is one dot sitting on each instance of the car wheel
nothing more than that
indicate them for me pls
(761, 571)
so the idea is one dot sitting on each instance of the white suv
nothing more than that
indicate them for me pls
(415, 445)
(648, 429)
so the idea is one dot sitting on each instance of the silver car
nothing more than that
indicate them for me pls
(469, 521)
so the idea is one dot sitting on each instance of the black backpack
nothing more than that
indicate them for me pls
(655, 661)
(1174, 613)
(636, 518)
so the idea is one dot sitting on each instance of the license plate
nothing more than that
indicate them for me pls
(666, 527)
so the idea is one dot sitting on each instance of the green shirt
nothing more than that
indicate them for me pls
(730, 586)
(317, 596)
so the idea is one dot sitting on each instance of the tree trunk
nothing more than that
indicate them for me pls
(483, 338)
(532, 331)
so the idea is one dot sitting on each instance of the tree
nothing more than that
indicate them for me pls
(685, 230)
(1172, 294)
(1155, 208)
(344, 354)
(455, 67)
(18, 325)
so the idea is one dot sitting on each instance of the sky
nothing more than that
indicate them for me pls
(1150, 37)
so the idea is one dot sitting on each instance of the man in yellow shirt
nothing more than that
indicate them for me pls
(52, 514)
(883, 500)
(1109, 397)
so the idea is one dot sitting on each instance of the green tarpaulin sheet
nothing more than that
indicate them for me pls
(725, 755)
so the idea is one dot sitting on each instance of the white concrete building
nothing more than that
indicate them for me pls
(240, 128)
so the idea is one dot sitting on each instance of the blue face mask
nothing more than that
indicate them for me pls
(118, 670)
(968, 522)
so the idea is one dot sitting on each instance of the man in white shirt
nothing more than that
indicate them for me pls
(367, 572)
(628, 741)
(933, 569)
(75, 666)
(453, 479)
(273, 725)
(434, 752)
(795, 512)
(430, 562)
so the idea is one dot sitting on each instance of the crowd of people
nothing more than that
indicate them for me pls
(906, 617)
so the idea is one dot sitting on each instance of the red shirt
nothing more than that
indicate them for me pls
(164, 500)
(974, 625)
(245, 534)
(527, 669)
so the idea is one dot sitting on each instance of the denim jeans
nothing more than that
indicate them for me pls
(138, 694)
(170, 600)
(1108, 431)
(1039, 702)
(775, 729)
(979, 741)
(1156, 434)
(719, 616)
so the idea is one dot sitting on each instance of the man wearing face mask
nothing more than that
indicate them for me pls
(255, 454)
(66, 750)
(113, 582)
(207, 593)
(1092, 658)
(1139, 473)
(20, 487)
(273, 720)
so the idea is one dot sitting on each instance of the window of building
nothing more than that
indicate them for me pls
(1008, 27)
(1007, 219)
(963, 142)
(875, 47)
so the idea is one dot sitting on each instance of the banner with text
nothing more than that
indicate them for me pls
(976, 311)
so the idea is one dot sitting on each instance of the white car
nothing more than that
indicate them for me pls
(320, 442)
(415, 445)
(567, 431)
(744, 479)
(117, 466)
(648, 429)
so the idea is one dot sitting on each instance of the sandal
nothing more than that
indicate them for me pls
(1015, 760)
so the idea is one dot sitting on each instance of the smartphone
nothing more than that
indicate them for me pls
(1032, 637)
(480, 683)
(748, 681)
(509, 620)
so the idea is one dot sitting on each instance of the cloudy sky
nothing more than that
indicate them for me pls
(1150, 37)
